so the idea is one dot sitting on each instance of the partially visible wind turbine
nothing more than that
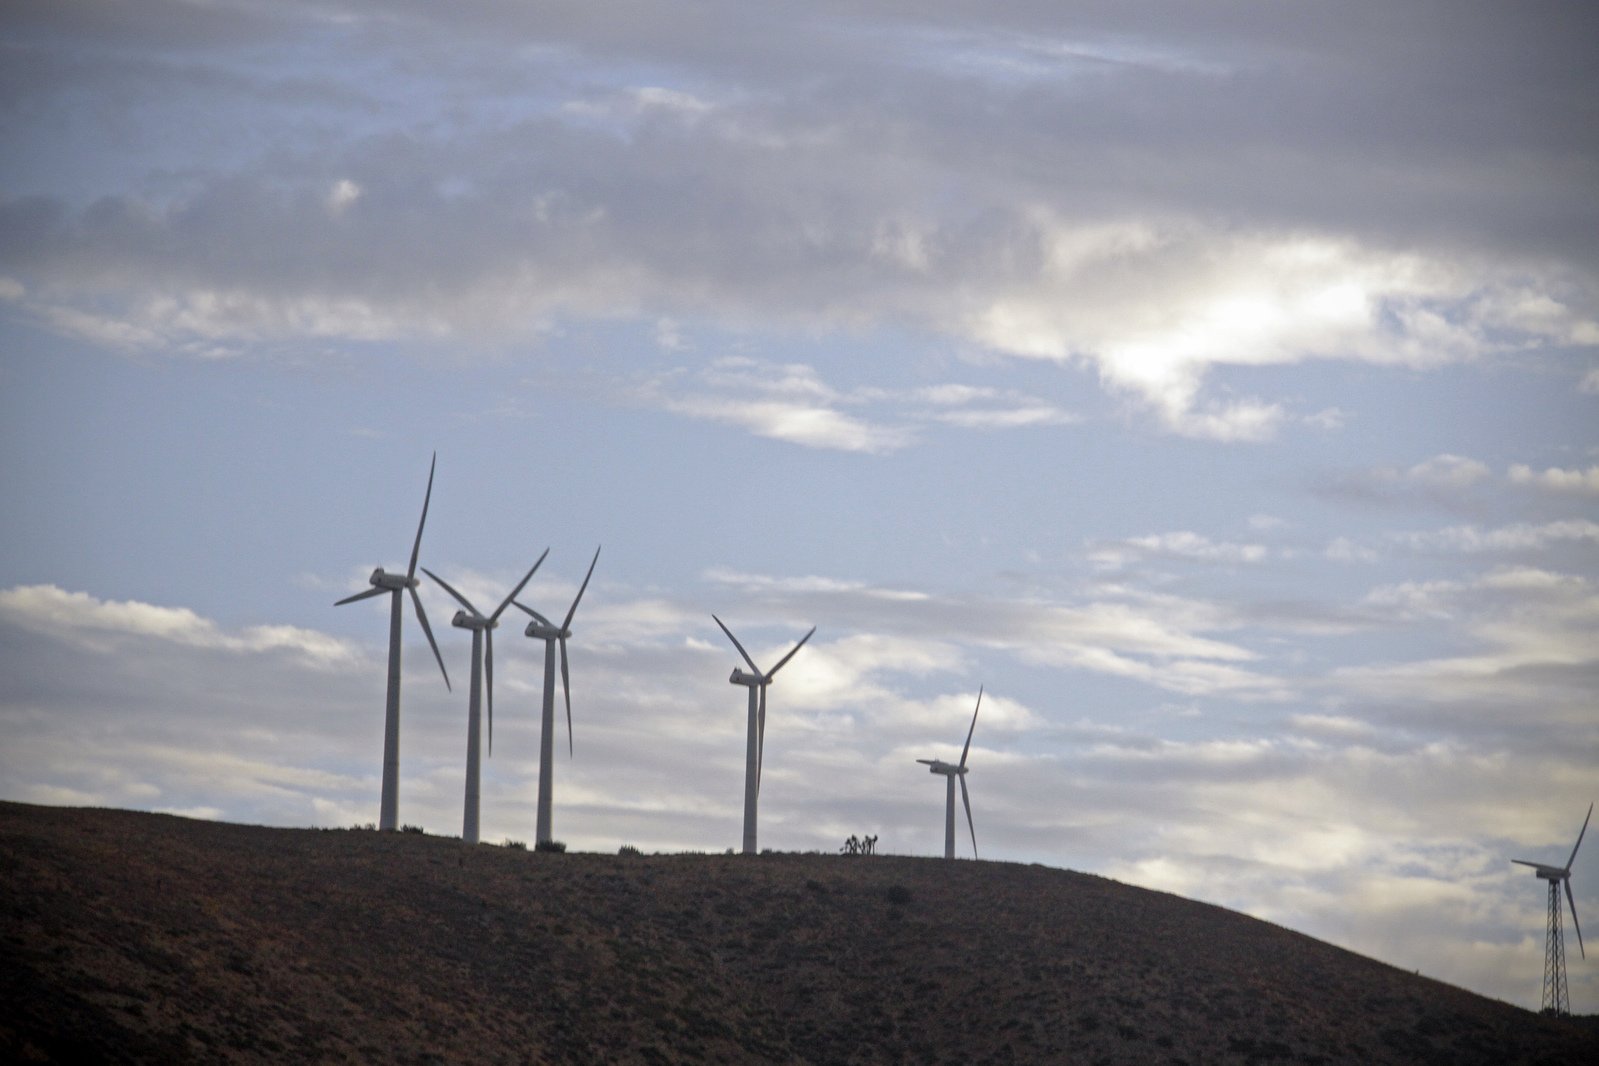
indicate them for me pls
(543, 629)
(394, 584)
(951, 772)
(482, 664)
(1555, 999)
(755, 745)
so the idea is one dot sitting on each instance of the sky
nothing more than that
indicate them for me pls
(1216, 385)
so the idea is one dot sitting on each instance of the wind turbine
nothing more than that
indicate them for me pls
(394, 584)
(755, 745)
(951, 772)
(543, 629)
(1555, 999)
(481, 626)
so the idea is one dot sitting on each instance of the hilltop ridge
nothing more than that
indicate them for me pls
(140, 937)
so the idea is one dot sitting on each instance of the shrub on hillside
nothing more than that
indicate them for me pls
(628, 849)
(550, 845)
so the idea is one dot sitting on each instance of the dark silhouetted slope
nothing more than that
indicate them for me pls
(140, 937)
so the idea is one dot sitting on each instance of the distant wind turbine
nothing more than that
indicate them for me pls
(755, 744)
(482, 664)
(951, 772)
(1555, 999)
(394, 584)
(543, 629)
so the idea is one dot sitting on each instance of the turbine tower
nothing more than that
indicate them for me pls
(755, 744)
(482, 634)
(1555, 1000)
(543, 629)
(395, 584)
(951, 772)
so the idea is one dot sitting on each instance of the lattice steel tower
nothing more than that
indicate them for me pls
(1555, 998)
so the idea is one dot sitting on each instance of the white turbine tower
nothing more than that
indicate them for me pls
(755, 745)
(1555, 999)
(951, 772)
(543, 629)
(482, 664)
(395, 584)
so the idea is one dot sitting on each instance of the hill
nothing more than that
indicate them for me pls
(142, 937)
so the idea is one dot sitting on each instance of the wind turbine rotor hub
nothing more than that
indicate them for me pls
(393, 582)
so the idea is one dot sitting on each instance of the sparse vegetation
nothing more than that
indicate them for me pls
(517, 844)
(412, 829)
(898, 894)
(859, 845)
(628, 849)
(550, 845)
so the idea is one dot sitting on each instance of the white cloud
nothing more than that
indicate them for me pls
(1344, 550)
(343, 196)
(1521, 536)
(83, 618)
(1182, 544)
(1155, 307)
(1532, 639)
(1555, 479)
(791, 402)
(1449, 471)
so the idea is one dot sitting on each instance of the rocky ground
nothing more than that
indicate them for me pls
(147, 938)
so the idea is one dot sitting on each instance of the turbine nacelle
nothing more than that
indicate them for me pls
(739, 677)
(541, 631)
(382, 579)
(463, 620)
(939, 766)
(1548, 873)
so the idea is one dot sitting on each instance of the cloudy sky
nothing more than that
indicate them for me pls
(1217, 385)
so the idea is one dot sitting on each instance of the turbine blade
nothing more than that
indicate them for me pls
(566, 687)
(973, 729)
(462, 600)
(760, 740)
(790, 655)
(525, 579)
(416, 548)
(581, 589)
(367, 595)
(967, 799)
(756, 670)
(422, 616)
(1579, 840)
(539, 618)
(1574, 921)
(488, 677)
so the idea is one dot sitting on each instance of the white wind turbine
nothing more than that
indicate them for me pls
(755, 744)
(1555, 999)
(395, 584)
(951, 772)
(482, 663)
(543, 629)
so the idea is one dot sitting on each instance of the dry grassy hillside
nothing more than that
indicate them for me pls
(139, 937)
